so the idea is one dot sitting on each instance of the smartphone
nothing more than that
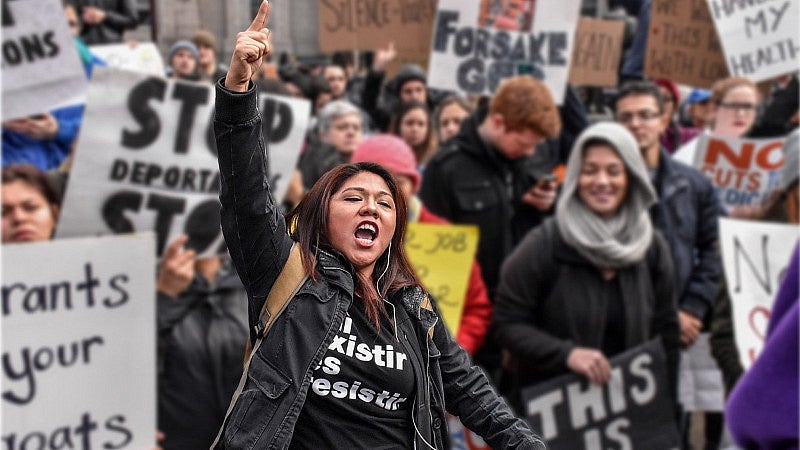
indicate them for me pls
(544, 180)
(37, 116)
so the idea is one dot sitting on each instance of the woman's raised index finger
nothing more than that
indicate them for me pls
(261, 18)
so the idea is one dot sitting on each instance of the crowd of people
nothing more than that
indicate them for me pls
(595, 236)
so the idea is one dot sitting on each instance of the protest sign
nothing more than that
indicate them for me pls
(632, 410)
(372, 24)
(682, 44)
(450, 250)
(142, 57)
(79, 346)
(475, 46)
(41, 66)
(743, 171)
(760, 38)
(596, 53)
(754, 256)
(147, 159)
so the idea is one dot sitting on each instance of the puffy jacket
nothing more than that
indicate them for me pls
(280, 373)
(686, 214)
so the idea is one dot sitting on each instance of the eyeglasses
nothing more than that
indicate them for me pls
(644, 115)
(739, 107)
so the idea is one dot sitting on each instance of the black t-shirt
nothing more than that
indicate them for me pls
(361, 394)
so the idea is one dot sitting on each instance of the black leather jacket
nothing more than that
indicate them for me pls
(280, 372)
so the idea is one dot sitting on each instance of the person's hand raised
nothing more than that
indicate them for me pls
(252, 45)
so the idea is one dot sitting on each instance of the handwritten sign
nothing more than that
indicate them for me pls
(142, 57)
(41, 66)
(371, 24)
(475, 48)
(754, 256)
(442, 256)
(79, 344)
(744, 171)
(760, 39)
(147, 159)
(632, 410)
(682, 44)
(597, 52)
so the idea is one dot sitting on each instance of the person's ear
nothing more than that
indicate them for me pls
(498, 122)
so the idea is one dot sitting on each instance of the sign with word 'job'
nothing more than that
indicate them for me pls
(79, 346)
(147, 159)
(744, 171)
(41, 66)
(760, 38)
(442, 256)
(477, 44)
(632, 410)
(754, 256)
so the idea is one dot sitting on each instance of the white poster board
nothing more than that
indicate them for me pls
(755, 256)
(147, 160)
(759, 38)
(475, 45)
(142, 57)
(743, 171)
(79, 350)
(41, 66)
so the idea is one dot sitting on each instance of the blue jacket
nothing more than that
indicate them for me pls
(280, 372)
(686, 214)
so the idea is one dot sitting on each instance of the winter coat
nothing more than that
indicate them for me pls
(121, 15)
(201, 339)
(281, 369)
(550, 300)
(686, 214)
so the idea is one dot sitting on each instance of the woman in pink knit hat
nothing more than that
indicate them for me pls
(397, 157)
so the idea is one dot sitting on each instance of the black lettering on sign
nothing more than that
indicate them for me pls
(166, 208)
(8, 19)
(30, 48)
(72, 436)
(445, 27)
(146, 117)
(191, 97)
(764, 280)
(114, 210)
(203, 225)
(276, 121)
(29, 361)
(470, 75)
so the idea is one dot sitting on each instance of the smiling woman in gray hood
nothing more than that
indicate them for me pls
(596, 279)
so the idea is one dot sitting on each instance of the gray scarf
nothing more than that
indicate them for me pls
(623, 239)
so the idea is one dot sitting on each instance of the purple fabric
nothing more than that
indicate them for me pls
(762, 411)
(675, 136)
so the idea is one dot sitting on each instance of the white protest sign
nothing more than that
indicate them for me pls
(759, 38)
(147, 160)
(79, 346)
(475, 46)
(284, 123)
(743, 171)
(41, 66)
(142, 57)
(755, 256)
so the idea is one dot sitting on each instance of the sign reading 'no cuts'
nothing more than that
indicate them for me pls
(147, 159)
(476, 45)
(632, 410)
(79, 344)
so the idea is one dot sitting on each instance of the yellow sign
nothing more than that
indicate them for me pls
(442, 256)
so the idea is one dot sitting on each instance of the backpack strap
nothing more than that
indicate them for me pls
(289, 281)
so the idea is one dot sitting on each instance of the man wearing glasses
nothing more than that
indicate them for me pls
(686, 213)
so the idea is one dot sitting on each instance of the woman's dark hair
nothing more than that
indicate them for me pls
(308, 226)
(33, 177)
(428, 146)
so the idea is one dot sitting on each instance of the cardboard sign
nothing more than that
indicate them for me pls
(754, 256)
(760, 39)
(744, 171)
(143, 57)
(477, 45)
(632, 410)
(79, 346)
(442, 256)
(147, 159)
(682, 44)
(41, 66)
(597, 52)
(373, 24)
